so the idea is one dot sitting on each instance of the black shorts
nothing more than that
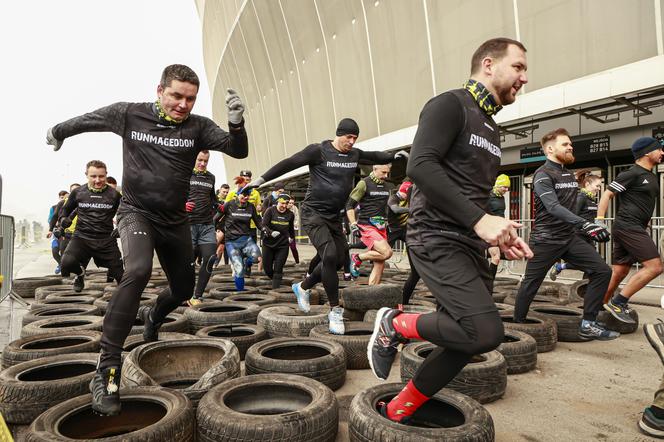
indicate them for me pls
(322, 231)
(105, 252)
(455, 273)
(630, 246)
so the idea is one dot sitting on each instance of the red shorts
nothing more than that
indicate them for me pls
(371, 234)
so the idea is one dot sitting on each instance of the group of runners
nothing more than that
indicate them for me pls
(454, 240)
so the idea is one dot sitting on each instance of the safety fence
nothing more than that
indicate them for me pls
(6, 255)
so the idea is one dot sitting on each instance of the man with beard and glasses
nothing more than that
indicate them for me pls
(554, 236)
(637, 189)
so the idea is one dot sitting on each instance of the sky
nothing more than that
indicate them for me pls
(61, 59)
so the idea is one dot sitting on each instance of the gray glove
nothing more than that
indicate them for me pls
(274, 234)
(402, 154)
(235, 106)
(253, 184)
(50, 139)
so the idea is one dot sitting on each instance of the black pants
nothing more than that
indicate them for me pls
(274, 259)
(327, 237)
(56, 253)
(577, 252)
(467, 321)
(105, 252)
(63, 242)
(393, 236)
(316, 260)
(206, 251)
(140, 237)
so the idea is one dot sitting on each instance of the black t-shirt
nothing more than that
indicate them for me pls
(586, 206)
(201, 192)
(496, 204)
(331, 175)
(157, 156)
(95, 211)
(637, 190)
(453, 164)
(273, 220)
(238, 219)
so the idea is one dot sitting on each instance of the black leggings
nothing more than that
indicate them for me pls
(274, 259)
(104, 251)
(206, 251)
(458, 342)
(140, 238)
(411, 282)
(316, 260)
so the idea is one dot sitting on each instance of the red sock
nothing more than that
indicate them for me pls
(405, 403)
(406, 325)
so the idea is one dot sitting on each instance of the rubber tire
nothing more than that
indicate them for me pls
(365, 423)
(178, 424)
(58, 310)
(354, 345)
(567, 326)
(21, 401)
(220, 295)
(282, 321)
(619, 326)
(15, 352)
(148, 299)
(317, 421)
(256, 334)
(228, 367)
(351, 315)
(59, 300)
(175, 323)
(37, 327)
(543, 330)
(134, 341)
(520, 354)
(25, 287)
(286, 295)
(370, 315)
(577, 291)
(371, 296)
(61, 289)
(485, 381)
(199, 318)
(252, 298)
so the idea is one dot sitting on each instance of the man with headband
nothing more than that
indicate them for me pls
(278, 229)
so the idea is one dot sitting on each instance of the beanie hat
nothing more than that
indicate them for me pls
(644, 145)
(284, 197)
(405, 187)
(502, 181)
(348, 126)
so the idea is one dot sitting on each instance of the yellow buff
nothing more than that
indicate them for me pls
(502, 181)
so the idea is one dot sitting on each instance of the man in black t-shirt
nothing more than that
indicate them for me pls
(160, 143)
(239, 216)
(637, 189)
(278, 229)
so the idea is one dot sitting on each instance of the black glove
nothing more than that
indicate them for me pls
(356, 230)
(595, 232)
(252, 185)
(58, 232)
(65, 222)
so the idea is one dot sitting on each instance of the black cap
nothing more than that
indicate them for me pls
(245, 173)
(644, 145)
(279, 185)
(348, 126)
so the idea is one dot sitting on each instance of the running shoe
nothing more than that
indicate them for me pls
(655, 335)
(336, 318)
(194, 300)
(104, 387)
(355, 263)
(302, 296)
(384, 343)
(651, 424)
(79, 281)
(57, 270)
(553, 274)
(347, 277)
(150, 329)
(592, 330)
(618, 311)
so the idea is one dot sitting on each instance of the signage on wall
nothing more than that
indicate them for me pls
(583, 149)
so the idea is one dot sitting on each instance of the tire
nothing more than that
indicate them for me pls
(456, 417)
(134, 341)
(217, 312)
(220, 294)
(63, 325)
(371, 297)
(558, 292)
(499, 295)
(370, 315)
(354, 342)
(484, 378)
(567, 319)
(269, 407)
(286, 295)
(174, 323)
(543, 330)
(50, 311)
(149, 288)
(63, 290)
(252, 298)
(60, 300)
(353, 315)
(288, 321)
(30, 388)
(153, 413)
(25, 287)
(619, 326)
(577, 291)
(242, 335)
(318, 359)
(147, 298)
(422, 303)
(539, 299)
(190, 366)
(519, 350)
(50, 344)
(504, 307)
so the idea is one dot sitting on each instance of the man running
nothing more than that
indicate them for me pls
(453, 163)
(637, 189)
(160, 143)
(296, 225)
(332, 165)
(61, 233)
(239, 215)
(371, 194)
(278, 229)
(555, 236)
(96, 205)
(55, 245)
(201, 206)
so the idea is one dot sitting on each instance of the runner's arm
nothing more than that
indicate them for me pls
(543, 187)
(70, 205)
(355, 197)
(310, 155)
(603, 205)
(291, 227)
(267, 218)
(233, 143)
(393, 204)
(376, 157)
(107, 119)
(255, 216)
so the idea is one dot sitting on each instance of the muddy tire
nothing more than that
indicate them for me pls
(519, 350)
(283, 321)
(619, 326)
(63, 290)
(577, 291)
(269, 407)
(25, 287)
(50, 344)
(371, 296)
(354, 342)
(134, 341)
(448, 416)
(63, 325)
(484, 378)
(242, 335)
(59, 300)
(567, 319)
(217, 313)
(543, 330)
(50, 311)
(30, 388)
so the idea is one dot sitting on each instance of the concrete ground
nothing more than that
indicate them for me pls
(579, 392)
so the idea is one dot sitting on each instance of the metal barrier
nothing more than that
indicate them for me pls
(7, 261)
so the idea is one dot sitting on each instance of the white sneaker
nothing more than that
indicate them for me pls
(336, 318)
(302, 296)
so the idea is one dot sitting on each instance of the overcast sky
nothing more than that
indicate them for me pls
(64, 58)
